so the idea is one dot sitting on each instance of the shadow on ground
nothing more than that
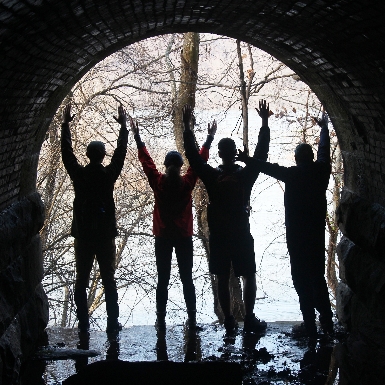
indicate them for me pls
(178, 356)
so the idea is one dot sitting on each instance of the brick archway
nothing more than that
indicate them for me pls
(336, 47)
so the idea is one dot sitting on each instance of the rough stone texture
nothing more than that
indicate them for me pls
(365, 346)
(360, 297)
(336, 46)
(365, 276)
(344, 308)
(363, 222)
(23, 303)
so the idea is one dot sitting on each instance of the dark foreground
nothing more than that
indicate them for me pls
(138, 355)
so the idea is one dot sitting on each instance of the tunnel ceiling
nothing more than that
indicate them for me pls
(337, 47)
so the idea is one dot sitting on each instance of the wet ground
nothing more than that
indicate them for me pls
(273, 358)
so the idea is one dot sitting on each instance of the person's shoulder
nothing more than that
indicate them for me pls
(232, 168)
(322, 167)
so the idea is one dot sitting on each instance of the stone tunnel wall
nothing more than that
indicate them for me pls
(336, 46)
(23, 303)
(361, 290)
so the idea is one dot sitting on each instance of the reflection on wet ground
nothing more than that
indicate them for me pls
(273, 358)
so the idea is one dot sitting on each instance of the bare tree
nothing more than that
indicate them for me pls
(154, 79)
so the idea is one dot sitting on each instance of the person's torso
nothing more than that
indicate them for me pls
(173, 208)
(229, 193)
(94, 207)
(305, 195)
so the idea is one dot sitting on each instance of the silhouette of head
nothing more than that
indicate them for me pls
(173, 158)
(227, 149)
(96, 151)
(303, 153)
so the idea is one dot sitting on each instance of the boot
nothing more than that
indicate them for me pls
(112, 310)
(253, 324)
(231, 325)
(305, 330)
(327, 325)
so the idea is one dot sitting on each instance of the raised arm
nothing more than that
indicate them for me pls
(258, 162)
(262, 148)
(117, 160)
(257, 165)
(191, 176)
(323, 153)
(211, 130)
(69, 159)
(145, 159)
(200, 167)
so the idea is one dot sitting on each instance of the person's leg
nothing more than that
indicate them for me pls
(220, 266)
(224, 293)
(322, 301)
(163, 255)
(249, 293)
(106, 257)
(303, 286)
(84, 257)
(320, 289)
(298, 239)
(243, 262)
(252, 324)
(230, 322)
(244, 265)
(184, 251)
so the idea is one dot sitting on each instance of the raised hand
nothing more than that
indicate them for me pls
(242, 156)
(134, 126)
(122, 116)
(187, 114)
(211, 130)
(324, 121)
(264, 111)
(67, 117)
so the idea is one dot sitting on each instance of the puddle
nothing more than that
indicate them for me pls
(273, 358)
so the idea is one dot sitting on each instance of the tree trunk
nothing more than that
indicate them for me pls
(186, 95)
(332, 225)
(50, 186)
(304, 127)
(188, 82)
(64, 318)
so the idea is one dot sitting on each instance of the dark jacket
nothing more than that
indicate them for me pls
(93, 206)
(172, 215)
(229, 187)
(305, 189)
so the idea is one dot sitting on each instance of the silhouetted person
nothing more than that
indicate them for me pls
(229, 187)
(172, 222)
(94, 224)
(305, 213)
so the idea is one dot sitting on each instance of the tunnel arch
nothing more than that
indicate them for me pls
(337, 47)
(48, 46)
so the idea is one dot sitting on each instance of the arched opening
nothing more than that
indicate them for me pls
(145, 78)
(88, 114)
(48, 47)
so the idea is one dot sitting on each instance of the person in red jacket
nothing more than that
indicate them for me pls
(172, 222)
